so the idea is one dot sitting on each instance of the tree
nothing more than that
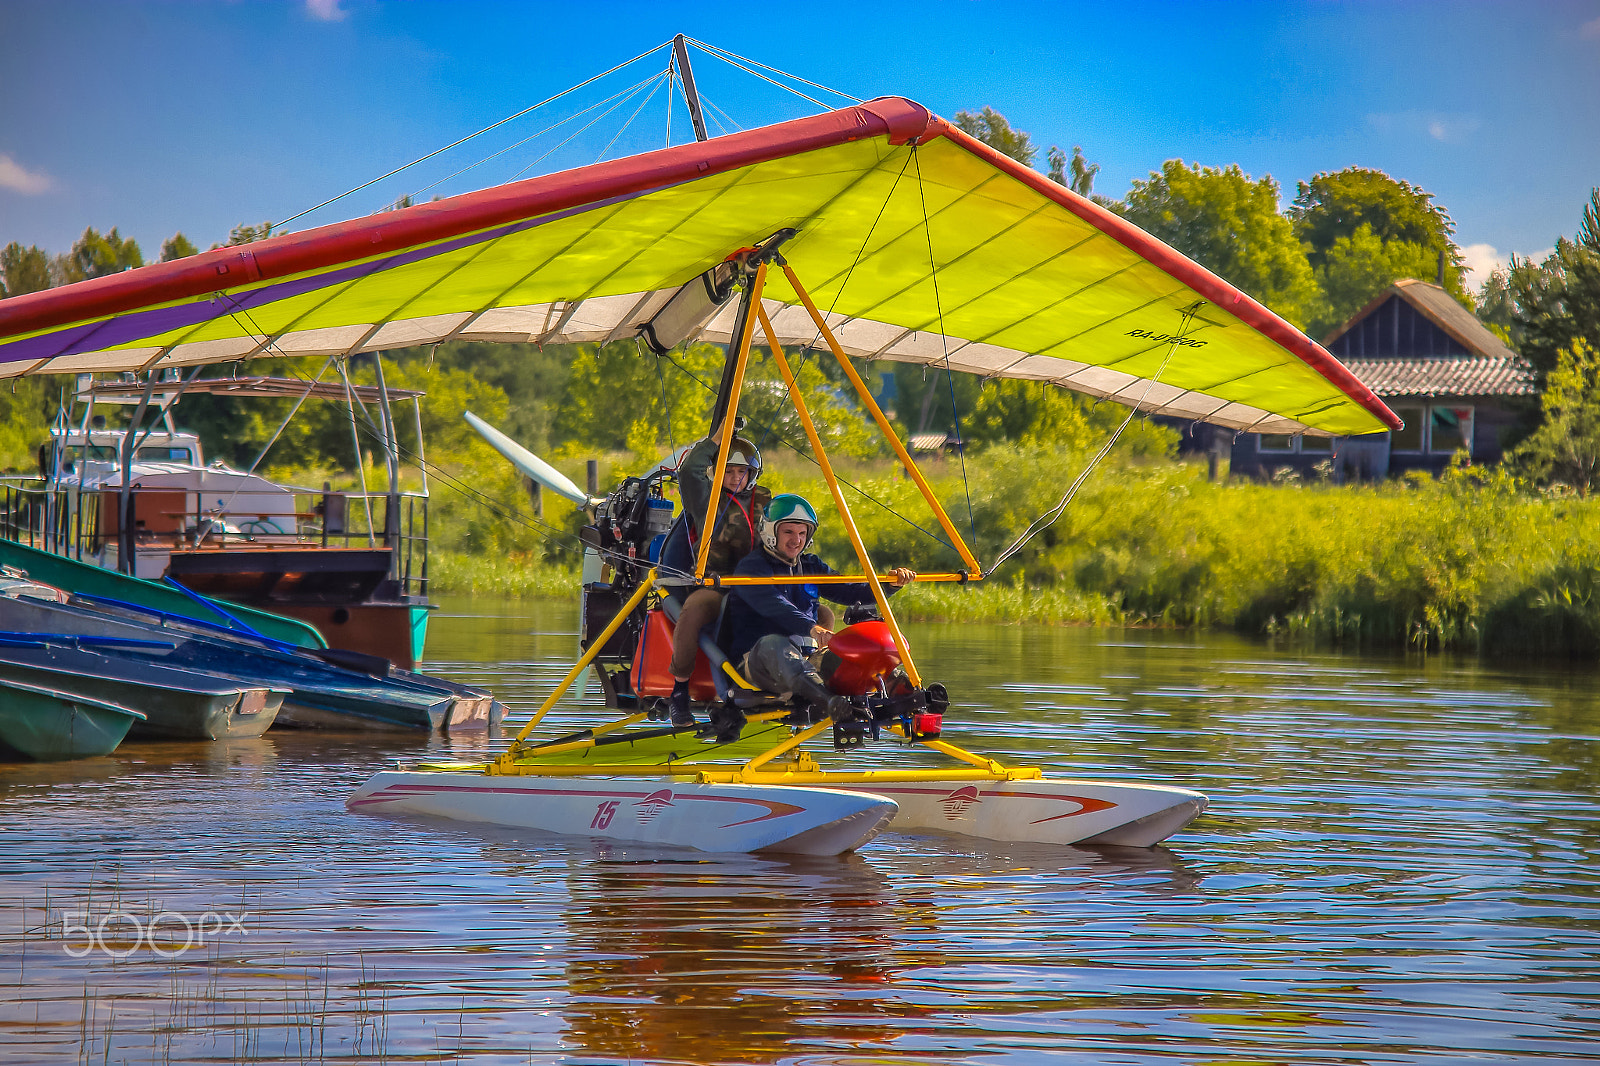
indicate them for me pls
(1566, 446)
(1359, 267)
(1557, 302)
(1589, 230)
(1331, 206)
(990, 127)
(1497, 310)
(177, 246)
(1228, 222)
(1083, 171)
(244, 233)
(23, 269)
(95, 256)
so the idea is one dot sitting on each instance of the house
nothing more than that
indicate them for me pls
(1455, 384)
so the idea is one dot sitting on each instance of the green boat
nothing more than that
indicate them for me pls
(48, 724)
(85, 579)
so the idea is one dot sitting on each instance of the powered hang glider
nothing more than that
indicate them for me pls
(923, 245)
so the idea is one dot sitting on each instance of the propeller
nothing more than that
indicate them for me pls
(530, 464)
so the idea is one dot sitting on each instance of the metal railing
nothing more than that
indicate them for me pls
(63, 523)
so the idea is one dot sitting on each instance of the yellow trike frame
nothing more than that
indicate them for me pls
(799, 768)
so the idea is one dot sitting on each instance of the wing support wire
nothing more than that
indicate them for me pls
(522, 759)
(838, 498)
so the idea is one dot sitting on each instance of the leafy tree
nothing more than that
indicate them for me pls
(534, 380)
(95, 256)
(1335, 205)
(244, 233)
(1359, 267)
(1229, 223)
(1589, 230)
(1497, 310)
(1566, 447)
(1083, 171)
(991, 127)
(1033, 414)
(1557, 301)
(177, 246)
(614, 397)
(23, 269)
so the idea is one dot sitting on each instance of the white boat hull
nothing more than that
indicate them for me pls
(719, 818)
(1044, 811)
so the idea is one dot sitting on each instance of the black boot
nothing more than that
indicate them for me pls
(682, 716)
(809, 688)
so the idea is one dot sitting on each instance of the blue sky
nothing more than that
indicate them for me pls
(196, 116)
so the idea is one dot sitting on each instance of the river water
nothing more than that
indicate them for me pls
(1401, 864)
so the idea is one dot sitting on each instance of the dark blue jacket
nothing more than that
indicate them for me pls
(754, 611)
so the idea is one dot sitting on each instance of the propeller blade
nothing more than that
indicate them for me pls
(528, 463)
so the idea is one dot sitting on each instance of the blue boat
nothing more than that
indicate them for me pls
(321, 694)
(177, 704)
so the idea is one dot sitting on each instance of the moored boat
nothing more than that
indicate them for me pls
(177, 704)
(49, 724)
(147, 503)
(319, 694)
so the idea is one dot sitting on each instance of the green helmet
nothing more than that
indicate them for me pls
(786, 507)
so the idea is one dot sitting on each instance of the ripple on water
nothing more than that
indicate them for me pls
(1399, 866)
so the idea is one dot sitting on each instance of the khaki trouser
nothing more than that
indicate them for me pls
(698, 611)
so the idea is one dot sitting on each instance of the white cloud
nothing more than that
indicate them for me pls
(1590, 31)
(1481, 260)
(1447, 128)
(14, 177)
(326, 10)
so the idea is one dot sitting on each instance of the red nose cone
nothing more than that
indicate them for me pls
(866, 651)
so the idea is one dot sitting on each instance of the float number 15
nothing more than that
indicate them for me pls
(604, 813)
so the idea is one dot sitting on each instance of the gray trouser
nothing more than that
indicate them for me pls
(779, 666)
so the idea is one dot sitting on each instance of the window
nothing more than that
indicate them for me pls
(162, 454)
(1408, 439)
(1449, 430)
(1285, 444)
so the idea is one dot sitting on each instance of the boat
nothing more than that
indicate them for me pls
(61, 572)
(176, 704)
(318, 694)
(875, 231)
(50, 724)
(147, 503)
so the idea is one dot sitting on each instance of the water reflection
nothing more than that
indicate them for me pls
(1400, 864)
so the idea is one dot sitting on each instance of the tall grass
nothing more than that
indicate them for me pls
(1471, 561)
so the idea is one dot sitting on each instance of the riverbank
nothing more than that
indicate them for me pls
(1470, 562)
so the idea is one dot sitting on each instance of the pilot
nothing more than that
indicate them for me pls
(772, 627)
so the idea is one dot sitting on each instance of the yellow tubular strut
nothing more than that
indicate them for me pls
(838, 498)
(799, 769)
(583, 662)
(708, 528)
(883, 424)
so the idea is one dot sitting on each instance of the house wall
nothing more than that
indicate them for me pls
(1377, 455)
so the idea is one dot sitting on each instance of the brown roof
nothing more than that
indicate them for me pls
(1509, 375)
(1441, 308)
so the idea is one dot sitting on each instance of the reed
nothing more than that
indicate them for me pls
(1471, 561)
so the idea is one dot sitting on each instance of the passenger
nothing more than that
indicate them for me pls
(732, 538)
(768, 623)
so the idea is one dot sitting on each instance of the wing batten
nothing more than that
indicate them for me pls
(1025, 289)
